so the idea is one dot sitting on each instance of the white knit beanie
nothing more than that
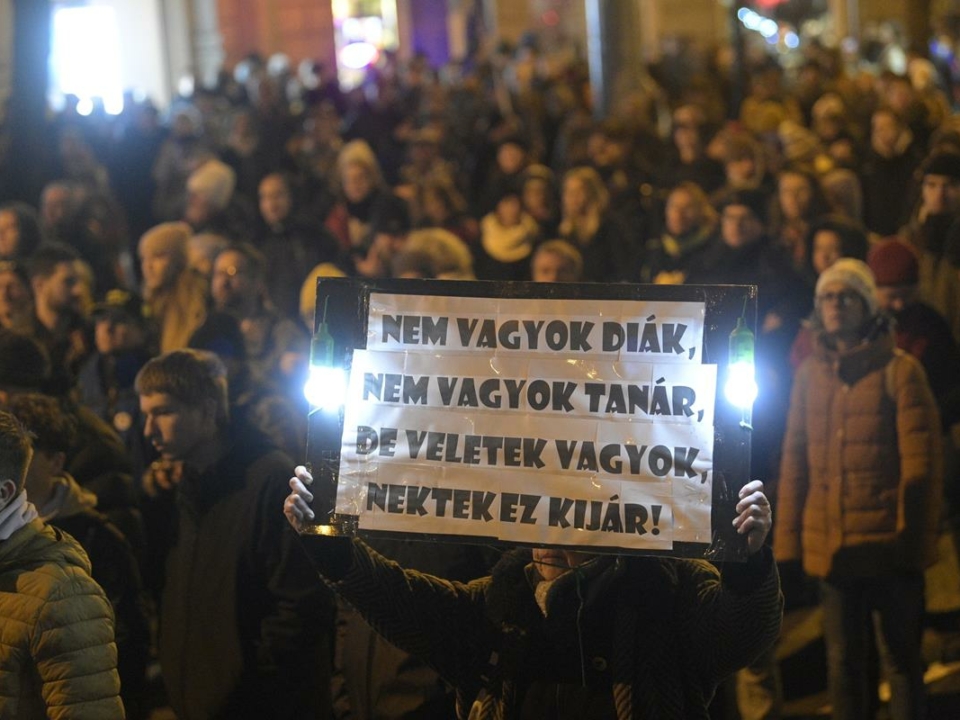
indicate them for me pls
(856, 275)
(215, 181)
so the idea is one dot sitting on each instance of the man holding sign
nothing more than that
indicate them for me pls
(568, 633)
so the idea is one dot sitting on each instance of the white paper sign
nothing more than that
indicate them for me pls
(565, 422)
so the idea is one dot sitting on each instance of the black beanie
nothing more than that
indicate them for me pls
(942, 163)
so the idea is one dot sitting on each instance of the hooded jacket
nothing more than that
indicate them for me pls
(57, 655)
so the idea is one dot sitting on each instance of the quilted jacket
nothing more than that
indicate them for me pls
(57, 653)
(861, 472)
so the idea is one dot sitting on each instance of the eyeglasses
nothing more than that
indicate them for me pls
(844, 298)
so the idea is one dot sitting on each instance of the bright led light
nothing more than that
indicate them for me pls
(326, 387)
(792, 41)
(358, 55)
(84, 106)
(741, 388)
(743, 13)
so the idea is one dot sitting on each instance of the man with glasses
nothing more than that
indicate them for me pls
(859, 495)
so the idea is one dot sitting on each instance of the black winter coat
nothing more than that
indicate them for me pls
(244, 626)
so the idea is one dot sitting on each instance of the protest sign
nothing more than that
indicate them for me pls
(581, 421)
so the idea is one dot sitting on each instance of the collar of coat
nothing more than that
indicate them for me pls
(852, 365)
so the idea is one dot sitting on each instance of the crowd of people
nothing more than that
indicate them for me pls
(157, 301)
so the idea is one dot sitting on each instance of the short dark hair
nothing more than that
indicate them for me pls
(53, 430)
(44, 261)
(190, 376)
(15, 449)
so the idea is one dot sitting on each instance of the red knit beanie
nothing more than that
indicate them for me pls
(893, 262)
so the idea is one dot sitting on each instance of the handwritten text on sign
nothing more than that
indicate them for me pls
(526, 441)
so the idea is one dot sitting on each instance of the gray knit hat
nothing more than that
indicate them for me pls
(856, 275)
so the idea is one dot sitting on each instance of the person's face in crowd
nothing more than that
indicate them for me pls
(841, 309)
(14, 299)
(536, 198)
(434, 208)
(116, 335)
(686, 135)
(509, 210)
(232, 284)
(795, 195)
(62, 291)
(553, 563)
(900, 96)
(826, 250)
(275, 203)
(940, 193)
(357, 182)
(55, 205)
(158, 268)
(574, 197)
(596, 146)
(510, 158)
(199, 209)
(614, 153)
(551, 267)
(740, 171)
(682, 214)
(885, 131)
(175, 429)
(739, 226)
(200, 258)
(843, 152)
(828, 127)
(896, 298)
(183, 127)
(9, 233)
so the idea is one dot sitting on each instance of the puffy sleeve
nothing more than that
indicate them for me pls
(921, 463)
(74, 651)
(791, 491)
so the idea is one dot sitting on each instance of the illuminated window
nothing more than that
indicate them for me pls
(85, 58)
(362, 29)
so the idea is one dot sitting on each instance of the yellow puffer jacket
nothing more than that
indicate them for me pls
(861, 473)
(57, 654)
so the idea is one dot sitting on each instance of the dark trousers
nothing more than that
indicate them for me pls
(891, 608)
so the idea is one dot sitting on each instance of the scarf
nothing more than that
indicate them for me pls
(15, 515)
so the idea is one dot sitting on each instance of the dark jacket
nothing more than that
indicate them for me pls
(245, 627)
(611, 255)
(922, 332)
(622, 637)
(291, 251)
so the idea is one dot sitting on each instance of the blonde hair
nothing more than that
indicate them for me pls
(571, 257)
(358, 152)
(450, 257)
(308, 291)
(582, 229)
